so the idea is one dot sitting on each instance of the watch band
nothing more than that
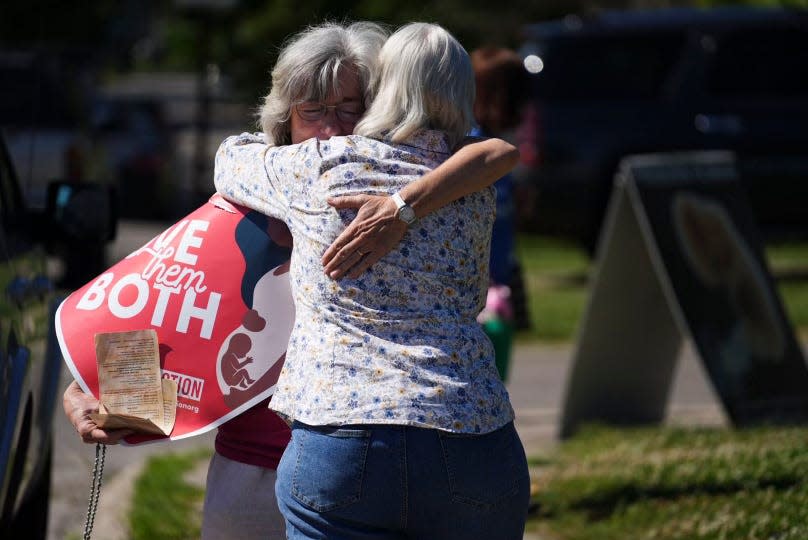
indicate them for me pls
(405, 211)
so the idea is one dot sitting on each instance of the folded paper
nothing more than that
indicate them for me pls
(133, 393)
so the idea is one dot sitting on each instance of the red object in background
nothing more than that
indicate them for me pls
(223, 322)
(529, 136)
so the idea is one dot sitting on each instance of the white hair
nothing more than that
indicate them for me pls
(425, 81)
(308, 69)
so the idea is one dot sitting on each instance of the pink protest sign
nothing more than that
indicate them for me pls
(215, 288)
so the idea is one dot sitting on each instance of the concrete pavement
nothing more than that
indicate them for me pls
(537, 384)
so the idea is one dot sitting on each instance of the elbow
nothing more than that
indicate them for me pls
(511, 156)
(218, 184)
(220, 188)
(220, 176)
(505, 157)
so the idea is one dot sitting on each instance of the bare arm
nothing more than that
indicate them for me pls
(475, 166)
(376, 230)
(78, 406)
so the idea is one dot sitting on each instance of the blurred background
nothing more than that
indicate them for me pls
(135, 96)
(138, 94)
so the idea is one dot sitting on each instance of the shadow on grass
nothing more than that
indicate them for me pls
(604, 505)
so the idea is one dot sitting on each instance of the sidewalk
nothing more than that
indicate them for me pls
(536, 386)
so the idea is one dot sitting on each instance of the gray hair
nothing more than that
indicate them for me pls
(308, 69)
(425, 80)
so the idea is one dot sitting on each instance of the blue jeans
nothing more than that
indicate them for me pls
(384, 482)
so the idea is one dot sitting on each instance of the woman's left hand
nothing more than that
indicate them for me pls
(373, 233)
(78, 407)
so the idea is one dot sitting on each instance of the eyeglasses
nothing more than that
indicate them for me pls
(312, 111)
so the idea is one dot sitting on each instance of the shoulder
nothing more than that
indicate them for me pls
(348, 150)
(239, 147)
(344, 145)
(239, 158)
(243, 140)
(431, 140)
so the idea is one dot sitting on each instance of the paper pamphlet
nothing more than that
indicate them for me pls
(133, 393)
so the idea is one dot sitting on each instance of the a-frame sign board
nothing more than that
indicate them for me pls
(680, 257)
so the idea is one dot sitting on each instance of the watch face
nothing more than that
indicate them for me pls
(406, 213)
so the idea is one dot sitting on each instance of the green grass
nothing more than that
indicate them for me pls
(789, 264)
(556, 277)
(676, 484)
(165, 505)
(791, 255)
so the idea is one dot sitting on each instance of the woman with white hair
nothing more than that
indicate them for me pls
(339, 62)
(401, 425)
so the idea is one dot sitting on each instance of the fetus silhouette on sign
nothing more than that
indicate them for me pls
(235, 360)
(252, 354)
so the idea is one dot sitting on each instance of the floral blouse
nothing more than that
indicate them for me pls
(399, 345)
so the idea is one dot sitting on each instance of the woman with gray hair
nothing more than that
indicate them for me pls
(401, 425)
(308, 68)
(320, 89)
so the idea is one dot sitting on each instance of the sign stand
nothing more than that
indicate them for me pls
(680, 258)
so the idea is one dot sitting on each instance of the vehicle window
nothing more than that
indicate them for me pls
(761, 64)
(5, 179)
(10, 199)
(606, 67)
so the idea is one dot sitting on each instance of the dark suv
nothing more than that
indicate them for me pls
(622, 83)
(30, 362)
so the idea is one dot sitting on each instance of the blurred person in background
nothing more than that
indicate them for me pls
(501, 90)
(320, 88)
(402, 427)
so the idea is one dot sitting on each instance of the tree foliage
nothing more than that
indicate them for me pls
(248, 39)
(243, 40)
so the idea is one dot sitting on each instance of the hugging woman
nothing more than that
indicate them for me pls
(401, 427)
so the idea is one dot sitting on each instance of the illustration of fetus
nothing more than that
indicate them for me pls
(233, 370)
(722, 260)
(263, 332)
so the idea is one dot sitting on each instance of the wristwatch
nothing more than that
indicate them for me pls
(405, 211)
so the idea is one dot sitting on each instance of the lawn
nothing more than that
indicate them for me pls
(166, 505)
(556, 276)
(675, 484)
